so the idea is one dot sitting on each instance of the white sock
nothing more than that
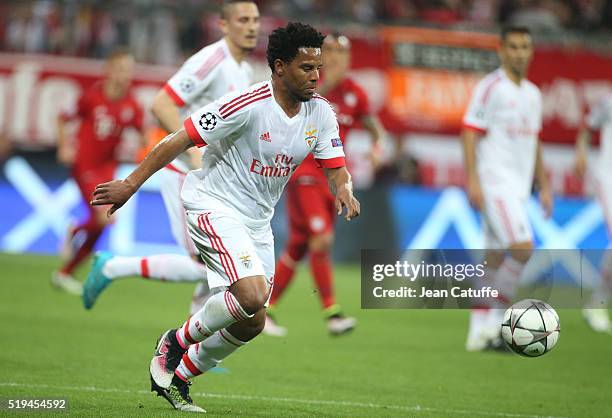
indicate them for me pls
(170, 267)
(220, 311)
(200, 295)
(506, 281)
(209, 353)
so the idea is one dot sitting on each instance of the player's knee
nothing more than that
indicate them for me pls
(521, 252)
(321, 242)
(249, 328)
(251, 293)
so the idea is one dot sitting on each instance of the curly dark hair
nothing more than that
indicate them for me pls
(284, 43)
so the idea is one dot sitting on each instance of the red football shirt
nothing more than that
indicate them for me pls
(350, 102)
(102, 123)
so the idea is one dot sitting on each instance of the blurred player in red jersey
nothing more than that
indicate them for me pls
(104, 110)
(310, 205)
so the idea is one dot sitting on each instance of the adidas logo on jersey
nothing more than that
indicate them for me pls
(265, 137)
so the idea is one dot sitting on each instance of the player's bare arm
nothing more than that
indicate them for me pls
(117, 192)
(341, 186)
(474, 191)
(546, 198)
(372, 124)
(65, 152)
(583, 142)
(168, 116)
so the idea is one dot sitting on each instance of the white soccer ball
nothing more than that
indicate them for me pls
(531, 327)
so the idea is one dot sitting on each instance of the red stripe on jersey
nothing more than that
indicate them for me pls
(190, 366)
(193, 133)
(144, 268)
(474, 128)
(172, 167)
(227, 254)
(489, 89)
(238, 98)
(318, 96)
(330, 162)
(175, 97)
(261, 96)
(210, 63)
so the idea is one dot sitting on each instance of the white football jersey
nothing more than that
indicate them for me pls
(509, 116)
(206, 76)
(253, 148)
(600, 118)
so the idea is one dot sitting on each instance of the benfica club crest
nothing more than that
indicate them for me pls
(310, 136)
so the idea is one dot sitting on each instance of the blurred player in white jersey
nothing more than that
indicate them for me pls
(212, 72)
(255, 140)
(502, 151)
(599, 118)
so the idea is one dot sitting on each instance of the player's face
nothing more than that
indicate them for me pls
(301, 75)
(242, 25)
(120, 70)
(516, 52)
(336, 54)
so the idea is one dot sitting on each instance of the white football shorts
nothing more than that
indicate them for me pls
(505, 221)
(231, 250)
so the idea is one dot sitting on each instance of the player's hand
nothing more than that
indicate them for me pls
(114, 193)
(580, 165)
(546, 200)
(345, 199)
(474, 193)
(65, 156)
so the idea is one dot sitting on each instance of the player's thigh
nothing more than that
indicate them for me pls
(505, 221)
(170, 185)
(225, 245)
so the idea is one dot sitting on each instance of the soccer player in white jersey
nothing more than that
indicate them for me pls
(502, 151)
(254, 139)
(599, 118)
(215, 70)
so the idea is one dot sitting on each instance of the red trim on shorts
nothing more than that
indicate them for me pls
(227, 339)
(175, 97)
(227, 254)
(144, 267)
(331, 162)
(193, 133)
(186, 332)
(474, 128)
(217, 247)
(190, 366)
(505, 219)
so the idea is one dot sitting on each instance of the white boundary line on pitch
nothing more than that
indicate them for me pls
(415, 408)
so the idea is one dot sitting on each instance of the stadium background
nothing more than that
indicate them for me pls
(418, 66)
(418, 79)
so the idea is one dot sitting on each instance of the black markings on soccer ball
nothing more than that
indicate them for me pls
(208, 121)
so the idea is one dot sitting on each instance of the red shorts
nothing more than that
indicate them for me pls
(88, 178)
(310, 206)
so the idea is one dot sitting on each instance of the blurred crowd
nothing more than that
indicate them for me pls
(163, 31)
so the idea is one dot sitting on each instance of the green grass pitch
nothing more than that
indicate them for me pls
(396, 363)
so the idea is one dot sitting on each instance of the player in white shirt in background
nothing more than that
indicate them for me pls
(255, 140)
(502, 151)
(599, 118)
(215, 70)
